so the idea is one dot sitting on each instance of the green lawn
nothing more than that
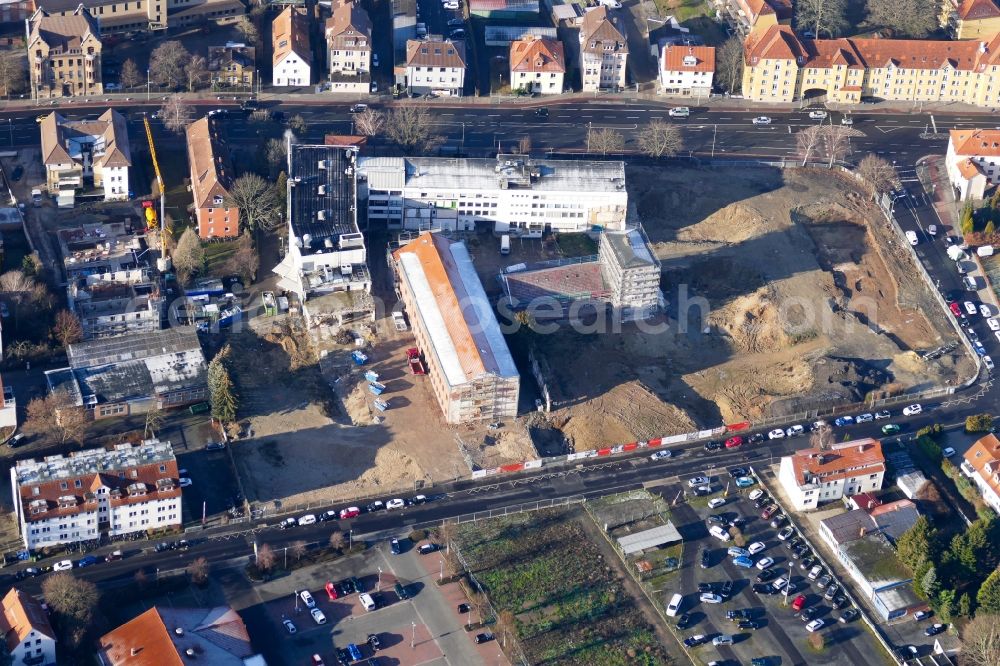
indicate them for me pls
(217, 253)
(576, 245)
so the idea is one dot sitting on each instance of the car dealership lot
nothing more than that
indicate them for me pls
(780, 635)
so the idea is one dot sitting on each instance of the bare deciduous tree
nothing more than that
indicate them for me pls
(17, 285)
(729, 65)
(56, 415)
(298, 549)
(337, 541)
(259, 207)
(196, 71)
(265, 558)
(660, 139)
(67, 328)
(13, 73)
(905, 18)
(808, 142)
(981, 640)
(297, 124)
(167, 63)
(73, 600)
(506, 626)
(276, 153)
(409, 127)
(176, 114)
(245, 260)
(369, 122)
(877, 174)
(247, 29)
(198, 571)
(604, 141)
(822, 438)
(823, 17)
(836, 143)
(130, 76)
(154, 421)
(188, 256)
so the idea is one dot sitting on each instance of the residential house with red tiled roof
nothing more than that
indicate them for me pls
(982, 465)
(537, 65)
(781, 67)
(87, 155)
(177, 636)
(435, 66)
(87, 494)
(813, 476)
(291, 58)
(973, 161)
(687, 70)
(211, 177)
(349, 48)
(25, 628)
(973, 19)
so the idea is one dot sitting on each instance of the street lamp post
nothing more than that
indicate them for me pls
(378, 585)
(147, 84)
(413, 635)
(791, 569)
(715, 129)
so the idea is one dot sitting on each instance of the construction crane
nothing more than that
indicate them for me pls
(150, 213)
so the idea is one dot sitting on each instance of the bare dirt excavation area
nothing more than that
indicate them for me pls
(786, 291)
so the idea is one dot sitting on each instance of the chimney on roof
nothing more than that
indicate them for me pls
(179, 631)
(861, 532)
(982, 47)
(135, 651)
(861, 448)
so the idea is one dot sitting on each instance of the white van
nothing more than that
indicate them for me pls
(308, 519)
(679, 112)
(675, 605)
(719, 533)
(367, 602)
(505, 244)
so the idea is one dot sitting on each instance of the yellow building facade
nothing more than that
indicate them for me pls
(780, 67)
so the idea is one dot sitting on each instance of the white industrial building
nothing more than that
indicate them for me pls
(64, 499)
(513, 193)
(813, 476)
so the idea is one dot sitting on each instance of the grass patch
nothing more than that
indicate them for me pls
(576, 245)
(569, 608)
(217, 253)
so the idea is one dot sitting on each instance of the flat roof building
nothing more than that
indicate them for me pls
(471, 371)
(134, 373)
(87, 494)
(513, 193)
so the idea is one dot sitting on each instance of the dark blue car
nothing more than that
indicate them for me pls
(87, 561)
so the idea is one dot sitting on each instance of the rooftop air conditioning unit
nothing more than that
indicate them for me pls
(322, 190)
(321, 164)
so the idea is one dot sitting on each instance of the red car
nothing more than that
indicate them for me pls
(416, 364)
(955, 310)
(734, 442)
(350, 512)
(769, 511)
(331, 591)
(799, 603)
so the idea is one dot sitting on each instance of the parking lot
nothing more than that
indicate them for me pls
(423, 628)
(769, 627)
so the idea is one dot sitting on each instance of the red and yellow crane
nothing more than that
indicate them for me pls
(152, 219)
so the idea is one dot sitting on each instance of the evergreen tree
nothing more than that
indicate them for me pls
(946, 605)
(990, 228)
(220, 388)
(917, 545)
(965, 605)
(930, 583)
(989, 593)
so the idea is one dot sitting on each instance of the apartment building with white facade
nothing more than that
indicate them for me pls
(813, 476)
(87, 155)
(973, 161)
(435, 66)
(291, 59)
(83, 495)
(349, 48)
(512, 193)
(603, 51)
(982, 465)
(537, 65)
(25, 628)
(687, 70)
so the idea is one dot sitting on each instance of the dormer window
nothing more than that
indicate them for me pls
(217, 200)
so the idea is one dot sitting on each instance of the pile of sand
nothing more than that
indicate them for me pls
(392, 469)
(752, 323)
(735, 223)
(356, 399)
(625, 413)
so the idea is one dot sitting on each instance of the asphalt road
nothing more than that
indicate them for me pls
(478, 130)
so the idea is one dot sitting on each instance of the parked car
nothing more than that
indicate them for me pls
(814, 572)
(318, 616)
(716, 502)
(395, 504)
(684, 621)
(786, 533)
(815, 625)
(697, 481)
(722, 639)
(307, 599)
(838, 602)
(769, 511)
(864, 418)
(890, 429)
(884, 414)
(831, 591)
(308, 519)
(795, 431)
(86, 561)
(428, 548)
(750, 624)
(485, 637)
(373, 642)
(807, 563)
(694, 641)
(756, 494)
(934, 629)
(799, 603)
(743, 562)
(350, 512)
(849, 615)
(706, 558)
(777, 433)
(766, 575)
(661, 455)
(745, 481)
(395, 547)
(756, 547)
(823, 581)
(809, 613)
(912, 410)
(737, 472)
(713, 445)
(289, 626)
(843, 421)
(327, 515)
(765, 562)
(911, 236)
(710, 598)
(734, 442)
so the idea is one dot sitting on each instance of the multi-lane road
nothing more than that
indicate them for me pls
(481, 129)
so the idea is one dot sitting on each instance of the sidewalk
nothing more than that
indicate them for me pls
(933, 177)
